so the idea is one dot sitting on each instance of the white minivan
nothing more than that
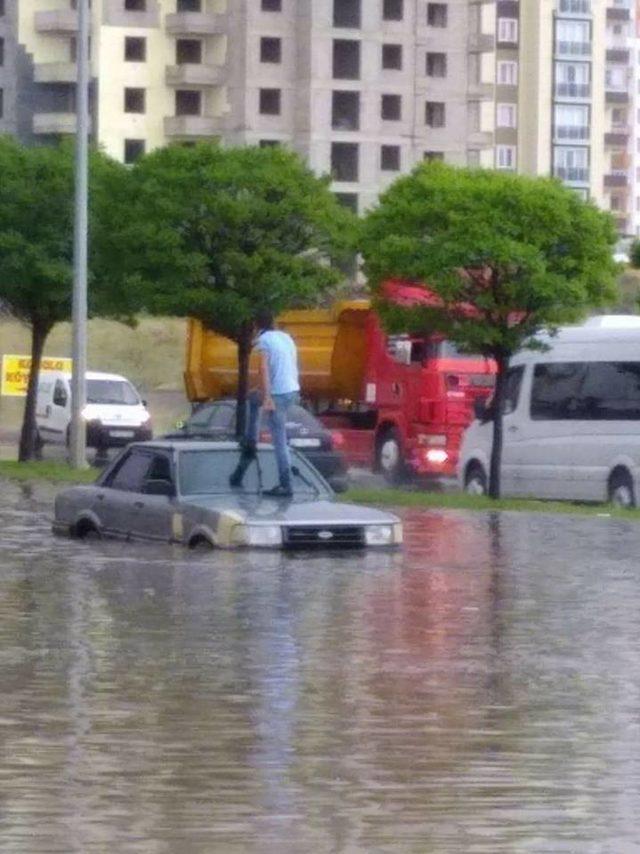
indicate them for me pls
(571, 418)
(114, 413)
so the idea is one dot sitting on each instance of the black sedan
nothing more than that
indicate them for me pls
(217, 420)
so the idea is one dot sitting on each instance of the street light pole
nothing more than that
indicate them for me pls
(78, 451)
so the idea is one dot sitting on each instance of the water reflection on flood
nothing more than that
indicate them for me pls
(476, 693)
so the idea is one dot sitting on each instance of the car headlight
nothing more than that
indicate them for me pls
(259, 536)
(383, 535)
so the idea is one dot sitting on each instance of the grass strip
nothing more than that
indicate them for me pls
(46, 471)
(462, 501)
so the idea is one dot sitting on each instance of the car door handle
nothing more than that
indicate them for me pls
(513, 429)
(138, 503)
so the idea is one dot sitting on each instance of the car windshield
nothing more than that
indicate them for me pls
(207, 472)
(112, 391)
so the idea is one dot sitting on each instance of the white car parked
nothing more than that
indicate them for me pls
(115, 414)
(571, 418)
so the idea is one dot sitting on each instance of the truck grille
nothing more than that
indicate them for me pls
(324, 537)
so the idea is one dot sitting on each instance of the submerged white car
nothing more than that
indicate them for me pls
(180, 492)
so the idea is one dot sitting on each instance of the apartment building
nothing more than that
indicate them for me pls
(363, 89)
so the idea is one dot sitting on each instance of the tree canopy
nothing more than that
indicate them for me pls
(222, 234)
(506, 255)
(36, 247)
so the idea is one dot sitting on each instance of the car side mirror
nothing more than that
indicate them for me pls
(160, 486)
(338, 483)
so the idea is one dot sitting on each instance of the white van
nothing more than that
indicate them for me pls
(114, 413)
(571, 419)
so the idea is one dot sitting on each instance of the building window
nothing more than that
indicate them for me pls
(1, 52)
(346, 59)
(507, 73)
(269, 143)
(507, 115)
(188, 102)
(571, 121)
(1, 8)
(345, 111)
(270, 102)
(346, 13)
(571, 164)
(431, 156)
(436, 65)
(344, 161)
(434, 114)
(188, 52)
(1, 103)
(135, 5)
(437, 14)
(508, 30)
(505, 157)
(391, 108)
(390, 158)
(270, 49)
(134, 100)
(392, 56)
(573, 79)
(189, 6)
(392, 10)
(133, 149)
(348, 200)
(135, 49)
(272, 5)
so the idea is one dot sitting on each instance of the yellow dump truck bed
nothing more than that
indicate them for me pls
(331, 353)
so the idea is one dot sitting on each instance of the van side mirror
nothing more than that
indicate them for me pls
(480, 409)
(160, 486)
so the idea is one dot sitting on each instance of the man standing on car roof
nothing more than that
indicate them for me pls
(280, 390)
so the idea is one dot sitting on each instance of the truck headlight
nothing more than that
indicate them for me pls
(379, 535)
(259, 536)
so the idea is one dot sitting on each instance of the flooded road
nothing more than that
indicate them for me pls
(478, 692)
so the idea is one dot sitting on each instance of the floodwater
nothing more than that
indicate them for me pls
(478, 692)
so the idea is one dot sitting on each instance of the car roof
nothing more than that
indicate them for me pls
(90, 375)
(193, 445)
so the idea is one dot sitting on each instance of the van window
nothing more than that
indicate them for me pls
(60, 394)
(586, 391)
(512, 389)
(111, 391)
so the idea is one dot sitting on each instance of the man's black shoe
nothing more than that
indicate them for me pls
(279, 492)
(236, 479)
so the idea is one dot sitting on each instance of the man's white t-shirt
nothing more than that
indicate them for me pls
(282, 359)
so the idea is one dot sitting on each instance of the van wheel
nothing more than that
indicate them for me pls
(475, 481)
(389, 456)
(621, 492)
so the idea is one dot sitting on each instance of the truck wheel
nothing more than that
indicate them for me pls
(621, 492)
(389, 456)
(475, 481)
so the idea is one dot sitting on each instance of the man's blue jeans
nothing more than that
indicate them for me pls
(277, 421)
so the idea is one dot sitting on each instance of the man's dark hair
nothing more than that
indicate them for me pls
(264, 320)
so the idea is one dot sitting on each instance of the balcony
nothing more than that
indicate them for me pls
(616, 139)
(616, 96)
(481, 43)
(579, 49)
(618, 14)
(572, 174)
(617, 56)
(194, 74)
(192, 126)
(572, 8)
(480, 91)
(54, 123)
(55, 72)
(572, 133)
(57, 21)
(577, 91)
(195, 24)
(616, 179)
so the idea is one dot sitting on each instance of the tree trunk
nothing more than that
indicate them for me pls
(244, 353)
(498, 408)
(28, 444)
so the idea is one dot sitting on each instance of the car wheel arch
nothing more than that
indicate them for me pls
(86, 524)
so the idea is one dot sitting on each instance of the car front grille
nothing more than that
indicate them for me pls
(324, 537)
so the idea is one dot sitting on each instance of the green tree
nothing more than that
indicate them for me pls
(221, 234)
(36, 248)
(506, 256)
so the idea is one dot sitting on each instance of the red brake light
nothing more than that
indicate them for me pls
(337, 439)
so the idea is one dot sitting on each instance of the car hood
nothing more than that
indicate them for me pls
(256, 509)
